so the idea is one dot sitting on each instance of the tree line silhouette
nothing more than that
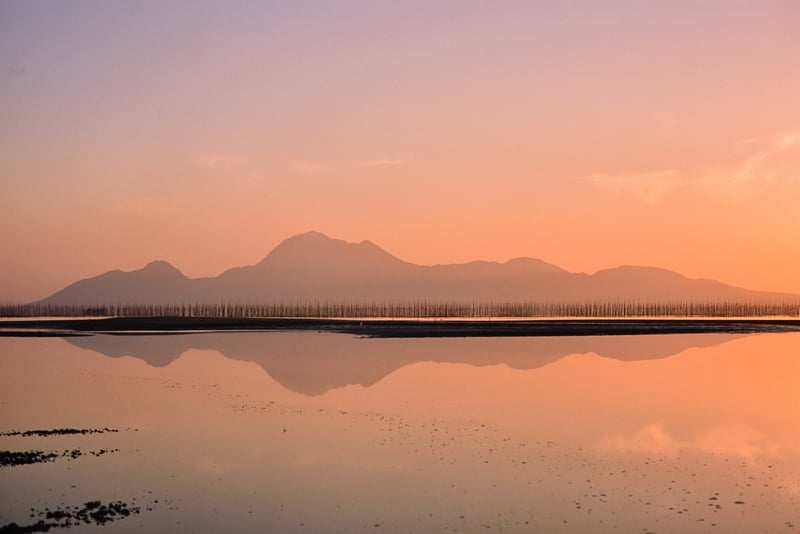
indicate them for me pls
(415, 309)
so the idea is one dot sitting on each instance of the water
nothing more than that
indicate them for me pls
(313, 432)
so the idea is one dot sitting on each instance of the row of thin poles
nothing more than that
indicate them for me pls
(415, 309)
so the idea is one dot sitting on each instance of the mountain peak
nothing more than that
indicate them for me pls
(315, 249)
(309, 236)
(159, 264)
(534, 265)
(160, 267)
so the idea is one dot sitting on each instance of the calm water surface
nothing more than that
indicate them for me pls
(308, 432)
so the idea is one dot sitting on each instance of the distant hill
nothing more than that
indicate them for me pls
(314, 267)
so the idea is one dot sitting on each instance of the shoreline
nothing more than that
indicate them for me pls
(390, 328)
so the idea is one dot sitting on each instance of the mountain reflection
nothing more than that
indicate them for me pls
(312, 363)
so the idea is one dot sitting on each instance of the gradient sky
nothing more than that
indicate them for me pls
(586, 133)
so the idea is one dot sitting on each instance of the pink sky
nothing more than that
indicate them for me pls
(589, 135)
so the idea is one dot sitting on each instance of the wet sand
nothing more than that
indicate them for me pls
(388, 328)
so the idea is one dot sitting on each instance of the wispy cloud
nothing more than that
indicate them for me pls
(649, 186)
(307, 167)
(758, 167)
(384, 162)
(217, 162)
(664, 120)
(314, 167)
(17, 70)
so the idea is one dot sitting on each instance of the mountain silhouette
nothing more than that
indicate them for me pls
(312, 363)
(314, 267)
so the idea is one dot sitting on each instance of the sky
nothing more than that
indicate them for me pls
(589, 134)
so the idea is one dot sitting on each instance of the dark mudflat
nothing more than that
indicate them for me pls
(16, 458)
(90, 513)
(58, 432)
(389, 328)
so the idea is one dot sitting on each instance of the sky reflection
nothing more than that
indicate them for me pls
(462, 435)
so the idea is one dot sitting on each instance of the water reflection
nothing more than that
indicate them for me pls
(313, 363)
(543, 435)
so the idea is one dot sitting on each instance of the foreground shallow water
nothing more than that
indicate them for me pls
(321, 432)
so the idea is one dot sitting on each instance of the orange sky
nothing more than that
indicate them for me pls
(591, 135)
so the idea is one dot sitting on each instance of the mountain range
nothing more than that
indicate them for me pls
(315, 267)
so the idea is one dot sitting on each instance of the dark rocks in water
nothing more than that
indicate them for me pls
(39, 526)
(92, 512)
(13, 458)
(58, 432)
